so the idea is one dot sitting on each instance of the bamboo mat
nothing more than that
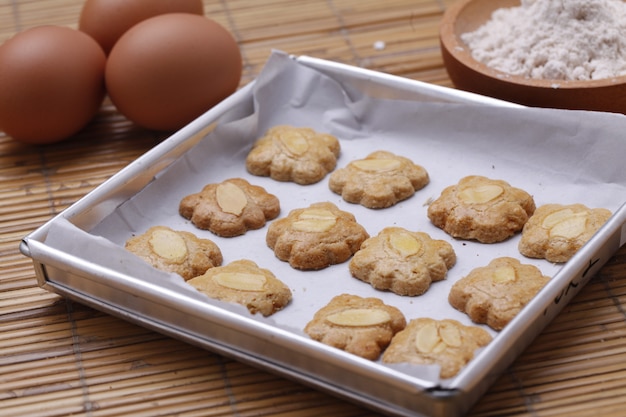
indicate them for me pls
(60, 358)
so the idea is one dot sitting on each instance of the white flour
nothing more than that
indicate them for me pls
(555, 39)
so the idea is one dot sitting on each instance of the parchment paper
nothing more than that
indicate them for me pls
(558, 156)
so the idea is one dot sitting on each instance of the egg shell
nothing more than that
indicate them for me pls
(51, 83)
(169, 69)
(107, 20)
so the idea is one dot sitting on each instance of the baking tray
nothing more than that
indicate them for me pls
(557, 155)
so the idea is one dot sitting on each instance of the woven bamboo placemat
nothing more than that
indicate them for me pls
(60, 358)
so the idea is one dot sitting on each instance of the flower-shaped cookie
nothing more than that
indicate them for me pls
(175, 251)
(315, 237)
(494, 294)
(361, 326)
(446, 343)
(230, 208)
(555, 232)
(403, 262)
(380, 180)
(300, 155)
(482, 209)
(244, 282)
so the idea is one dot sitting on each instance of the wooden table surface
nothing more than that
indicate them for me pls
(60, 358)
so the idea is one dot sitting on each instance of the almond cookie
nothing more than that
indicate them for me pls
(482, 209)
(403, 262)
(361, 326)
(230, 208)
(446, 343)
(175, 251)
(300, 155)
(244, 282)
(315, 237)
(380, 180)
(555, 232)
(494, 294)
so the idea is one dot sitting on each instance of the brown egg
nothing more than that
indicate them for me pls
(169, 69)
(107, 20)
(51, 83)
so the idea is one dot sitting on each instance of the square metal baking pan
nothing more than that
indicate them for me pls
(163, 307)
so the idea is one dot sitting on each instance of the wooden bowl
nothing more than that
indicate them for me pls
(468, 74)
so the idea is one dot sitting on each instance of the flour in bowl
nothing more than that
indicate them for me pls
(554, 39)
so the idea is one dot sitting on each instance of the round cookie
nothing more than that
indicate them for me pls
(244, 282)
(447, 343)
(230, 208)
(555, 232)
(361, 326)
(403, 262)
(482, 209)
(380, 180)
(296, 154)
(175, 251)
(496, 293)
(315, 237)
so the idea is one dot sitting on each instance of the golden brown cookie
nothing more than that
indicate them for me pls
(555, 232)
(315, 237)
(244, 282)
(494, 294)
(482, 209)
(403, 262)
(175, 251)
(380, 180)
(296, 154)
(361, 326)
(230, 208)
(447, 343)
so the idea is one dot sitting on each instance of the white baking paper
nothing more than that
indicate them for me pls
(558, 156)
